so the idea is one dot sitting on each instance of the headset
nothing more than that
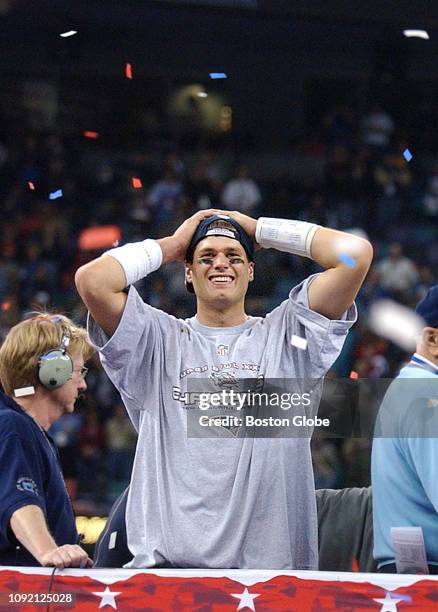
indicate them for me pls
(55, 367)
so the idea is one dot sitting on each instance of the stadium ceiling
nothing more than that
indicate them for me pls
(403, 12)
(184, 37)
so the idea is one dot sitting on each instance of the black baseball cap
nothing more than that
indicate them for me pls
(427, 308)
(219, 225)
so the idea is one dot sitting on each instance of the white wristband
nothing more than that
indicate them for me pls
(138, 259)
(285, 235)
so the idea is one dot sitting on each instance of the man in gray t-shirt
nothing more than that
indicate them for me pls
(229, 501)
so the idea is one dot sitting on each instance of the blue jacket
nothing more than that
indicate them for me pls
(30, 474)
(404, 467)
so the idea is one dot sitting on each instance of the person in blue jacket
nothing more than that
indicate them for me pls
(42, 373)
(405, 448)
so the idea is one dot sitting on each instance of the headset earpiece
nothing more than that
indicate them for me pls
(55, 367)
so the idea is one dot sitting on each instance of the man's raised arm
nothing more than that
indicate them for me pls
(345, 257)
(101, 282)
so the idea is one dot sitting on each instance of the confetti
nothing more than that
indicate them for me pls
(218, 75)
(69, 33)
(416, 34)
(99, 237)
(299, 342)
(347, 260)
(91, 134)
(128, 71)
(136, 183)
(55, 194)
(6, 306)
(407, 155)
(395, 322)
(31, 185)
(24, 391)
(354, 375)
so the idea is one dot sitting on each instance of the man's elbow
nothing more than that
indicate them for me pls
(82, 279)
(100, 279)
(87, 280)
(363, 255)
(368, 254)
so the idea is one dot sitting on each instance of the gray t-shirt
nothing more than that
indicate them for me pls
(228, 502)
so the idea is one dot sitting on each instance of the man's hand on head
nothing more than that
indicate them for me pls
(174, 247)
(247, 223)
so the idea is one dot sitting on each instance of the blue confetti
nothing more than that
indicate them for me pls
(55, 195)
(347, 260)
(407, 155)
(218, 75)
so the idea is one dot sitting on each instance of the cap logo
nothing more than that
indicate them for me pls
(221, 231)
(222, 228)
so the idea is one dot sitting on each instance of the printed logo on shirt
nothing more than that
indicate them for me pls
(27, 485)
(222, 350)
(224, 380)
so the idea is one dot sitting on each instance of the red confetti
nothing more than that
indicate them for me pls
(354, 375)
(128, 71)
(136, 183)
(91, 134)
(31, 185)
(6, 306)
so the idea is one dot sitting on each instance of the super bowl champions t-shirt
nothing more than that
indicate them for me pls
(226, 502)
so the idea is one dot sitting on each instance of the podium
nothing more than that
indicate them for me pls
(194, 590)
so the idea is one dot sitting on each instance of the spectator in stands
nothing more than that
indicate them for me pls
(393, 180)
(425, 281)
(203, 187)
(339, 126)
(164, 199)
(377, 128)
(9, 271)
(242, 193)
(398, 274)
(430, 199)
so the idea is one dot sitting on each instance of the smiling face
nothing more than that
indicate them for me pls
(220, 271)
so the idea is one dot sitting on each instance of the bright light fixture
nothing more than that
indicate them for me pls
(69, 33)
(416, 34)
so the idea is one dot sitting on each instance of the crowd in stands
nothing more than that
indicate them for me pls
(349, 175)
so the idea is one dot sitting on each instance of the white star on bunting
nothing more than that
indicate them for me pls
(389, 604)
(246, 599)
(108, 598)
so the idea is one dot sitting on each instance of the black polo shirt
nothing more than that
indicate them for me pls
(30, 474)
